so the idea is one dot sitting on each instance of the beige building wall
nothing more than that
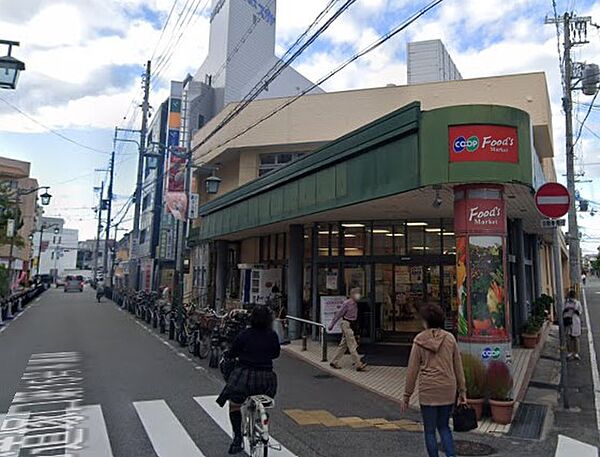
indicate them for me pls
(324, 117)
(16, 173)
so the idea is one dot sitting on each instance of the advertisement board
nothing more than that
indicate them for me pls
(329, 306)
(483, 143)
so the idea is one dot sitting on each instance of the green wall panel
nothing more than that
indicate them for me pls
(402, 151)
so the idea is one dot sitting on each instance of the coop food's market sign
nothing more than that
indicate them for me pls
(480, 216)
(483, 143)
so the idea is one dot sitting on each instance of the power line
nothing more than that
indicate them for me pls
(582, 123)
(162, 32)
(381, 40)
(51, 130)
(276, 70)
(560, 59)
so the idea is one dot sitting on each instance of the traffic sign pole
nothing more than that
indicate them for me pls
(553, 201)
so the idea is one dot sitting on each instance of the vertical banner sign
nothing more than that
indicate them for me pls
(10, 228)
(175, 197)
(194, 204)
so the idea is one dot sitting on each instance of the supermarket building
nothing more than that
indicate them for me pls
(416, 194)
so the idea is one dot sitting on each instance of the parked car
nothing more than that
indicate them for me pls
(74, 283)
(60, 282)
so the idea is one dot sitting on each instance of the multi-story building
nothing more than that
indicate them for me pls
(22, 209)
(424, 191)
(56, 250)
(241, 52)
(86, 254)
(428, 62)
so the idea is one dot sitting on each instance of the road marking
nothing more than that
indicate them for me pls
(568, 447)
(96, 442)
(221, 417)
(166, 433)
(12, 431)
(593, 360)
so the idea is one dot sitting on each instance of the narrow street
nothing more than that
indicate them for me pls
(142, 396)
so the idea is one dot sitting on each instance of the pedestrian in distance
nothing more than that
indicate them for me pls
(572, 322)
(347, 315)
(583, 278)
(100, 291)
(436, 363)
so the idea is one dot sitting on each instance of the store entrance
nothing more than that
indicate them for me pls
(402, 289)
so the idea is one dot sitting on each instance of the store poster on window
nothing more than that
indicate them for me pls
(416, 275)
(329, 306)
(461, 284)
(486, 269)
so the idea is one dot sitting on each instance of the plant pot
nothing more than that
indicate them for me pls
(477, 405)
(530, 341)
(502, 411)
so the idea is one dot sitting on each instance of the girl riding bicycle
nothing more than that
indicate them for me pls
(254, 349)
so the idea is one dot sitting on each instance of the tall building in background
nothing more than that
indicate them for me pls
(241, 52)
(428, 62)
(58, 250)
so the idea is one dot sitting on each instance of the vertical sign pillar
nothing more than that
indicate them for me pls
(481, 261)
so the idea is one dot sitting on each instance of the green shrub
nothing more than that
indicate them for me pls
(499, 381)
(474, 376)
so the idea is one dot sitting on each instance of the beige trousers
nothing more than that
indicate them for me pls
(348, 342)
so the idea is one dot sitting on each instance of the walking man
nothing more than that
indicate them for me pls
(348, 314)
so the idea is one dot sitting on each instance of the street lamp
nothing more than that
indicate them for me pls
(211, 184)
(10, 68)
(45, 197)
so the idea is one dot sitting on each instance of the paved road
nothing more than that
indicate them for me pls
(120, 390)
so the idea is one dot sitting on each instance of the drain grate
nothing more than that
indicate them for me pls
(472, 448)
(323, 376)
(528, 421)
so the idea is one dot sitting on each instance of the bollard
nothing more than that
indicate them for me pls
(20, 305)
(304, 342)
(323, 345)
(9, 314)
(1, 314)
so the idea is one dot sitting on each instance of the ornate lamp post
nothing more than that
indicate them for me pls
(10, 68)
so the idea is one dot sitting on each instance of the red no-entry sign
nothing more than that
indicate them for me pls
(553, 200)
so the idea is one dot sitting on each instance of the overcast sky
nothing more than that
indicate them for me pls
(84, 58)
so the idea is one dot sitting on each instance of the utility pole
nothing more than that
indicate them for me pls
(109, 210)
(574, 34)
(98, 231)
(140, 176)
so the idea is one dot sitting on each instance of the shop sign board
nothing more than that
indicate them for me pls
(329, 306)
(553, 200)
(480, 216)
(483, 143)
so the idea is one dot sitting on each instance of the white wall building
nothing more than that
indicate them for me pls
(58, 250)
(428, 62)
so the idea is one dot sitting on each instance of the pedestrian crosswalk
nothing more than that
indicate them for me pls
(85, 431)
(568, 447)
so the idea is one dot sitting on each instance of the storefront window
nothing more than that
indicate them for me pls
(416, 238)
(354, 239)
(328, 240)
(449, 239)
(433, 238)
(383, 240)
(307, 242)
(399, 238)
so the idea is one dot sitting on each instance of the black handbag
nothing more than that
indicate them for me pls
(464, 419)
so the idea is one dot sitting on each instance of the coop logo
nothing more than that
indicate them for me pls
(461, 144)
(486, 354)
(485, 143)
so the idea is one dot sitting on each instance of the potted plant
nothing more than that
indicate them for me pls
(530, 334)
(475, 380)
(500, 385)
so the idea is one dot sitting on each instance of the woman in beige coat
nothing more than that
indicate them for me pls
(435, 361)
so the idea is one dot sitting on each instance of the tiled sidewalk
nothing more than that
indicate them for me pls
(390, 381)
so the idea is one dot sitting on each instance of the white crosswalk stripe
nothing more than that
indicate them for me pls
(568, 447)
(167, 435)
(221, 417)
(96, 442)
